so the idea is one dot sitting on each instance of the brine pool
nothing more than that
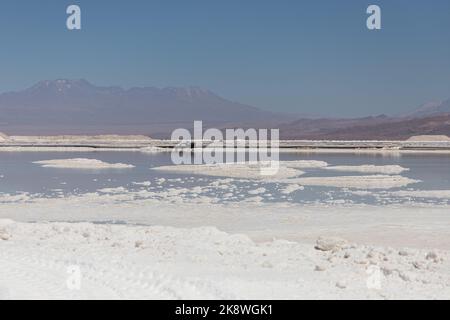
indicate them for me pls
(18, 174)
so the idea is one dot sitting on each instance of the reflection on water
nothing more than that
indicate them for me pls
(19, 174)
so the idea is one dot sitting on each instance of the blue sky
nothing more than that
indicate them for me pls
(285, 55)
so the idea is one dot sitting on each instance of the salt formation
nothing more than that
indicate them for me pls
(357, 182)
(429, 138)
(232, 170)
(388, 169)
(3, 137)
(81, 164)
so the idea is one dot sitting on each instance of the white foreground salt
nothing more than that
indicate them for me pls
(176, 261)
(131, 262)
(167, 251)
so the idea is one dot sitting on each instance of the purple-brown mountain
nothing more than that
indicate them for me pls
(371, 128)
(430, 119)
(79, 107)
(68, 105)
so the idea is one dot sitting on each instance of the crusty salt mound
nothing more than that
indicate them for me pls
(3, 137)
(286, 169)
(356, 182)
(235, 170)
(304, 164)
(434, 194)
(81, 164)
(78, 138)
(388, 169)
(154, 149)
(433, 138)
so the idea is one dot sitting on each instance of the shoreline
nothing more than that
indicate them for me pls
(285, 146)
(413, 225)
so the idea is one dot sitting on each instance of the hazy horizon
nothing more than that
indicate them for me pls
(207, 91)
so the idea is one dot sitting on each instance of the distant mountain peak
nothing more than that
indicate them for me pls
(63, 82)
(61, 85)
(64, 85)
(431, 108)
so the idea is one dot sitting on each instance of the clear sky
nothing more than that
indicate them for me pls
(314, 56)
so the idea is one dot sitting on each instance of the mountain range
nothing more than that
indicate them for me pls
(371, 128)
(79, 107)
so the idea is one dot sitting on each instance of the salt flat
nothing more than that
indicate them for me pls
(167, 238)
(198, 262)
(267, 251)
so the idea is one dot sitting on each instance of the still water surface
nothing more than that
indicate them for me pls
(19, 174)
